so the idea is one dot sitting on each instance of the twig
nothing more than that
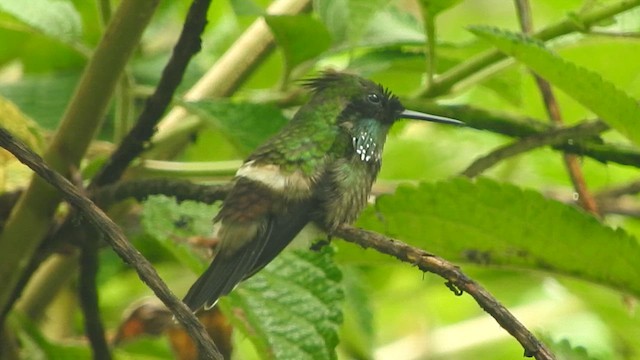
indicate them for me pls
(134, 143)
(615, 34)
(618, 200)
(141, 189)
(631, 188)
(585, 199)
(522, 127)
(88, 292)
(456, 280)
(552, 137)
(116, 239)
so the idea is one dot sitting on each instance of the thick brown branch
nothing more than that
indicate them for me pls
(113, 235)
(456, 280)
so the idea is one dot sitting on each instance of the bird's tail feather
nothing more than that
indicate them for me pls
(224, 273)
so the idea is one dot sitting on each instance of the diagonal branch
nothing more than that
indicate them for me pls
(553, 110)
(552, 137)
(113, 235)
(134, 143)
(456, 281)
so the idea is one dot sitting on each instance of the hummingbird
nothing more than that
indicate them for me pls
(319, 168)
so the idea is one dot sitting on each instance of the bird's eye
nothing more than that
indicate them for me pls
(373, 98)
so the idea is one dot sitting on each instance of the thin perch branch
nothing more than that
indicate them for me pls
(571, 161)
(113, 235)
(552, 137)
(456, 281)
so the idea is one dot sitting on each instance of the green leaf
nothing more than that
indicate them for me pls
(34, 345)
(348, 20)
(291, 309)
(13, 174)
(300, 37)
(57, 19)
(42, 97)
(246, 125)
(613, 105)
(499, 224)
(20, 125)
(435, 7)
(170, 224)
(246, 7)
(357, 333)
(393, 27)
(335, 16)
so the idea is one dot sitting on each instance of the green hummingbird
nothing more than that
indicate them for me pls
(318, 169)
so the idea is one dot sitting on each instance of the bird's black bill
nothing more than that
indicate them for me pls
(410, 114)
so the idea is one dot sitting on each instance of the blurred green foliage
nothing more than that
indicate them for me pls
(568, 277)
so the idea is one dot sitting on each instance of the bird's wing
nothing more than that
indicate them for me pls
(283, 229)
(251, 234)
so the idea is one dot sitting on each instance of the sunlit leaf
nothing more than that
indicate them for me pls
(435, 7)
(291, 309)
(57, 19)
(12, 172)
(20, 125)
(598, 95)
(499, 224)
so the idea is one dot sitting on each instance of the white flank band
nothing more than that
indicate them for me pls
(271, 176)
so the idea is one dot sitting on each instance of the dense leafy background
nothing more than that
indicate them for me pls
(571, 278)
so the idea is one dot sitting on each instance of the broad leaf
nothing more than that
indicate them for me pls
(294, 33)
(42, 97)
(348, 20)
(614, 106)
(57, 19)
(499, 224)
(357, 334)
(171, 224)
(291, 309)
(435, 7)
(393, 27)
(246, 125)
